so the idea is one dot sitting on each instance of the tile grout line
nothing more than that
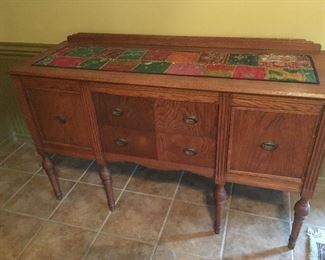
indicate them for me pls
(6, 139)
(290, 221)
(167, 215)
(261, 216)
(223, 242)
(11, 154)
(109, 213)
(72, 188)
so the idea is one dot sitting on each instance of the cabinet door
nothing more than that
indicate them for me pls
(274, 143)
(60, 116)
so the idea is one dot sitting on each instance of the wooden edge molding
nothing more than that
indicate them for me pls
(22, 49)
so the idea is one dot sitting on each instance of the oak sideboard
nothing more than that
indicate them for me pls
(240, 110)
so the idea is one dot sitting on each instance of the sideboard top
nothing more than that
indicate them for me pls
(293, 47)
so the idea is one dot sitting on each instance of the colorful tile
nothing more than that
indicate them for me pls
(93, 63)
(243, 59)
(284, 75)
(152, 67)
(213, 57)
(185, 69)
(290, 61)
(248, 72)
(84, 51)
(132, 54)
(46, 61)
(121, 65)
(66, 62)
(184, 57)
(223, 71)
(111, 53)
(156, 55)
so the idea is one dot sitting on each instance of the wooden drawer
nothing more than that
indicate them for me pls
(190, 118)
(129, 142)
(191, 150)
(60, 115)
(123, 111)
(276, 143)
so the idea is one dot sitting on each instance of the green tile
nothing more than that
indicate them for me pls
(243, 59)
(93, 63)
(85, 51)
(152, 67)
(45, 61)
(132, 54)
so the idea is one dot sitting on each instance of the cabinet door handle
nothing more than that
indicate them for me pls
(190, 151)
(60, 119)
(269, 146)
(190, 120)
(121, 142)
(116, 111)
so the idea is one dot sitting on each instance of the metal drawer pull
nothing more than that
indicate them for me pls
(269, 146)
(190, 151)
(190, 120)
(116, 111)
(60, 119)
(121, 142)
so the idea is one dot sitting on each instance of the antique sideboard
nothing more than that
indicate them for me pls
(240, 110)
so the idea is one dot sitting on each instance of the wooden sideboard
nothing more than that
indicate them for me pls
(260, 133)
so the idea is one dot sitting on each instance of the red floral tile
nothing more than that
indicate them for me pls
(213, 57)
(184, 57)
(218, 70)
(185, 69)
(249, 72)
(111, 53)
(65, 61)
(156, 55)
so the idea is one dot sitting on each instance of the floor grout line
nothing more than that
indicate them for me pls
(72, 188)
(109, 213)
(223, 242)
(167, 215)
(262, 216)
(9, 138)
(11, 154)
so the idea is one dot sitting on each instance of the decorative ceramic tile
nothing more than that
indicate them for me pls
(243, 59)
(132, 54)
(84, 51)
(152, 67)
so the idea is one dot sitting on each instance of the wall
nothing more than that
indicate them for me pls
(50, 21)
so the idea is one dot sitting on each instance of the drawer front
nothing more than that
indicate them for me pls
(191, 150)
(128, 142)
(190, 118)
(121, 111)
(270, 142)
(60, 116)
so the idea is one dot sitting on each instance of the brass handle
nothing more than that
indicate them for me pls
(121, 142)
(190, 120)
(116, 111)
(269, 146)
(60, 119)
(190, 151)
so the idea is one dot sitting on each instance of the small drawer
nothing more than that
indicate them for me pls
(272, 143)
(122, 111)
(192, 150)
(129, 142)
(190, 118)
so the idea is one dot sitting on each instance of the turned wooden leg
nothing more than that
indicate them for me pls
(302, 208)
(106, 177)
(49, 169)
(220, 198)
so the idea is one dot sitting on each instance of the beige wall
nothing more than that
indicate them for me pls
(50, 21)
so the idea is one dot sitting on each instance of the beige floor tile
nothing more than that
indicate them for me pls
(317, 207)
(111, 247)
(266, 202)
(190, 230)
(138, 217)
(69, 168)
(155, 182)
(165, 253)
(15, 232)
(10, 182)
(25, 159)
(8, 147)
(37, 197)
(85, 206)
(120, 174)
(301, 250)
(253, 237)
(55, 241)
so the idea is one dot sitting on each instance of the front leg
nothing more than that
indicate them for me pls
(106, 178)
(302, 208)
(49, 169)
(220, 198)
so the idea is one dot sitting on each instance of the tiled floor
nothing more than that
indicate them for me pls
(159, 215)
